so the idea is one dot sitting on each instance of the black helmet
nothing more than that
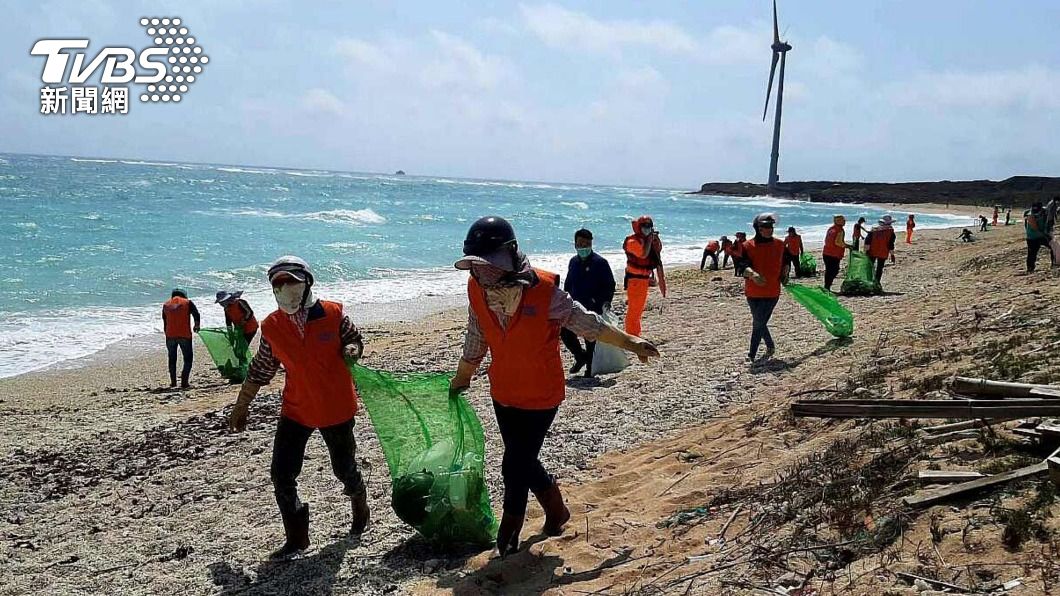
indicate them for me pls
(487, 235)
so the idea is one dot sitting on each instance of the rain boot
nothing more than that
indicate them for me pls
(296, 529)
(556, 512)
(508, 533)
(359, 503)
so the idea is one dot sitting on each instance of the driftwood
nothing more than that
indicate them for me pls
(934, 582)
(941, 476)
(945, 428)
(924, 499)
(950, 436)
(938, 408)
(999, 389)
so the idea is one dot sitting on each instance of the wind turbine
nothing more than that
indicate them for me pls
(780, 51)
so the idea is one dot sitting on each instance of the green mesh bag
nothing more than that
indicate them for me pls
(860, 279)
(229, 350)
(435, 451)
(824, 307)
(807, 264)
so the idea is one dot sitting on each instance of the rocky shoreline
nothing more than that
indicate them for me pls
(1016, 191)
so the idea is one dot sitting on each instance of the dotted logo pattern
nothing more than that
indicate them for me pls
(185, 59)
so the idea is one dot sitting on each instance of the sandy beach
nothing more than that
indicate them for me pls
(113, 484)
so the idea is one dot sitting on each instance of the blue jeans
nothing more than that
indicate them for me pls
(761, 311)
(184, 343)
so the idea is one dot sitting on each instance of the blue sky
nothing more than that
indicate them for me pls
(653, 93)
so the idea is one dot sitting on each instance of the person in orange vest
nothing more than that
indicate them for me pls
(643, 249)
(737, 253)
(859, 231)
(997, 213)
(313, 340)
(711, 250)
(726, 251)
(793, 245)
(835, 248)
(516, 313)
(765, 267)
(177, 313)
(238, 313)
(909, 225)
(880, 244)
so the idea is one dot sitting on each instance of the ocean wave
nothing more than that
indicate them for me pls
(348, 216)
(577, 204)
(149, 163)
(27, 225)
(234, 170)
(83, 160)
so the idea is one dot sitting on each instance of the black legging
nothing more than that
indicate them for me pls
(573, 344)
(523, 432)
(1033, 246)
(703, 262)
(879, 268)
(288, 452)
(831, 270)
(185, 349)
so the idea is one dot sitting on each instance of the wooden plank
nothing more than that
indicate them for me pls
(948, 475)
(972, 386)
(945, 428)
(923, 499)
(950, 436)
(1027, 432)
(1045, 392)
(1054, 469)
(925, 409)
(909, 577)
(1048, 429)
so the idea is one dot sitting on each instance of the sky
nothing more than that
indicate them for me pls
(655, 93)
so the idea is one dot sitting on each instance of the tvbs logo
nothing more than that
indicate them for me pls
(166, 69)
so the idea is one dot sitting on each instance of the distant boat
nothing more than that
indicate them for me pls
(399, 173)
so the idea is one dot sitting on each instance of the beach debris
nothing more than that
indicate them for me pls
(924, 499)
(925, 408)
(1001, 389)
(940, 476)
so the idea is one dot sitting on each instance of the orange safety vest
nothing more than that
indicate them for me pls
(526, 370)
(767, 259)
(879, 248)
(235, 313)
(637, 266)
(794, 245)
(712, 246)
(830, 249)
(177, 311)
(318, 391)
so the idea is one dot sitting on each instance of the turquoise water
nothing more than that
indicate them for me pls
(92, 247)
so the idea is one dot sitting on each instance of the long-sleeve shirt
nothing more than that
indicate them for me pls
(265, 364)
(563, 309)
(590, 282)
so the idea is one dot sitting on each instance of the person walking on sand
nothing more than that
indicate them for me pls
(997, 213)
(1008, 216)
(643, 249)
(737, 253)
(859, 231)
(1034, 224)
(982, 223)
(880, 244)
(835, 247)
(177, 313)
(793, 246)
(313, 340)
(238, 313)
(591, 283)
(765, 267)
(710, 250)
(515, 314)
(910, 224)
(726, 251)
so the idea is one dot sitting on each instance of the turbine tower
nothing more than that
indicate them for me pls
(780, 51)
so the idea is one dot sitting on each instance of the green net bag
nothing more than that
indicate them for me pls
(859, 279)
(807, 264)
(435, 450)
(824, 307)
(229, 350)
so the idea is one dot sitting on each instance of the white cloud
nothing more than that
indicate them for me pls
(829, 58)
(321, 101)
(363, 53)
(566, 29)
(642, 80)
(458, 63)
(1029, 88)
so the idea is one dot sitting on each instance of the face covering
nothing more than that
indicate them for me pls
(504, 300)
(584, 252)
(289, 297)
(647, 230)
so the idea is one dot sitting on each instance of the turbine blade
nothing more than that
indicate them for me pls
(769, 87)
(776, 29)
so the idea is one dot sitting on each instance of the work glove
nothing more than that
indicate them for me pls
(352, 353)
(237, 418)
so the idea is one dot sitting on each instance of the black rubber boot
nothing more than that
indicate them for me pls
(508, 534)
(359, 504)
(296, 529)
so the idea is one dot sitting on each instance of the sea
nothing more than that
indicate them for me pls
(92, 247)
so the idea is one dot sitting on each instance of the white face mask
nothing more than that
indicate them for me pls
(504, 300)
(289, 297)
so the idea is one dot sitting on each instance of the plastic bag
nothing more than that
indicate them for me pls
(435, 450)
(860, 279)
(807, 265)
(609, 359)
(229, 350)
(824, 307)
